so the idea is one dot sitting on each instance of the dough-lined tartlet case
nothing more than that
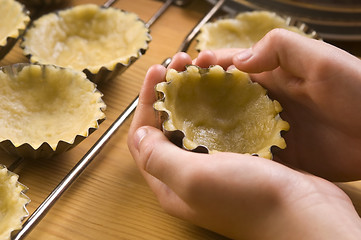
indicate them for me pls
(46, 110)
(99, 41)
(14, 19)
(213, 110)
(247, 28)
(13, 203)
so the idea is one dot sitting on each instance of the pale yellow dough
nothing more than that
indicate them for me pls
(12, 19)
(223, 111)
(47, 105)
(12, 203)
(243, 31)
(86, 37)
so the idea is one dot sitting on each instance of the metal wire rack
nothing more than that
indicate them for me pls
(31, 222)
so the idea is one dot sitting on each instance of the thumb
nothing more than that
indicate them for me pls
(155, 154)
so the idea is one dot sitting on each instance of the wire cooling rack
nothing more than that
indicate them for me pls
(35, 217)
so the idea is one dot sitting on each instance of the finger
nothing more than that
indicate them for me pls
(160, 162)
(155, 74)
(165, 161)
(281, 48)
(144, 114)
(222, 57)
(158, 156)
(205, 59)
(225, 56)
(179, 61)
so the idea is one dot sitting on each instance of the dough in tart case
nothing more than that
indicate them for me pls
(12, 204)
(45, 109)
(99, 41)
(243, 31)
(220, 111)
(14, 19)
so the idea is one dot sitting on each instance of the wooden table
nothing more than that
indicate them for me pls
(111, 199)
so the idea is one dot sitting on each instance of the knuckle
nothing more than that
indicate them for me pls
(277, 34)
(275, 38)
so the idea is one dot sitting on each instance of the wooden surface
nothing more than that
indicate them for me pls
(111, 200)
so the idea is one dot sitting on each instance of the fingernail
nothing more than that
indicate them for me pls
(231, 67)
(139, 135)
(243, 55)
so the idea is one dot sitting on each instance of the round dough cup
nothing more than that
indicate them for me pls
(247, 28)
(101, 42)
(212, 110)
(14, 19)
(13, 203)
(46, 110)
